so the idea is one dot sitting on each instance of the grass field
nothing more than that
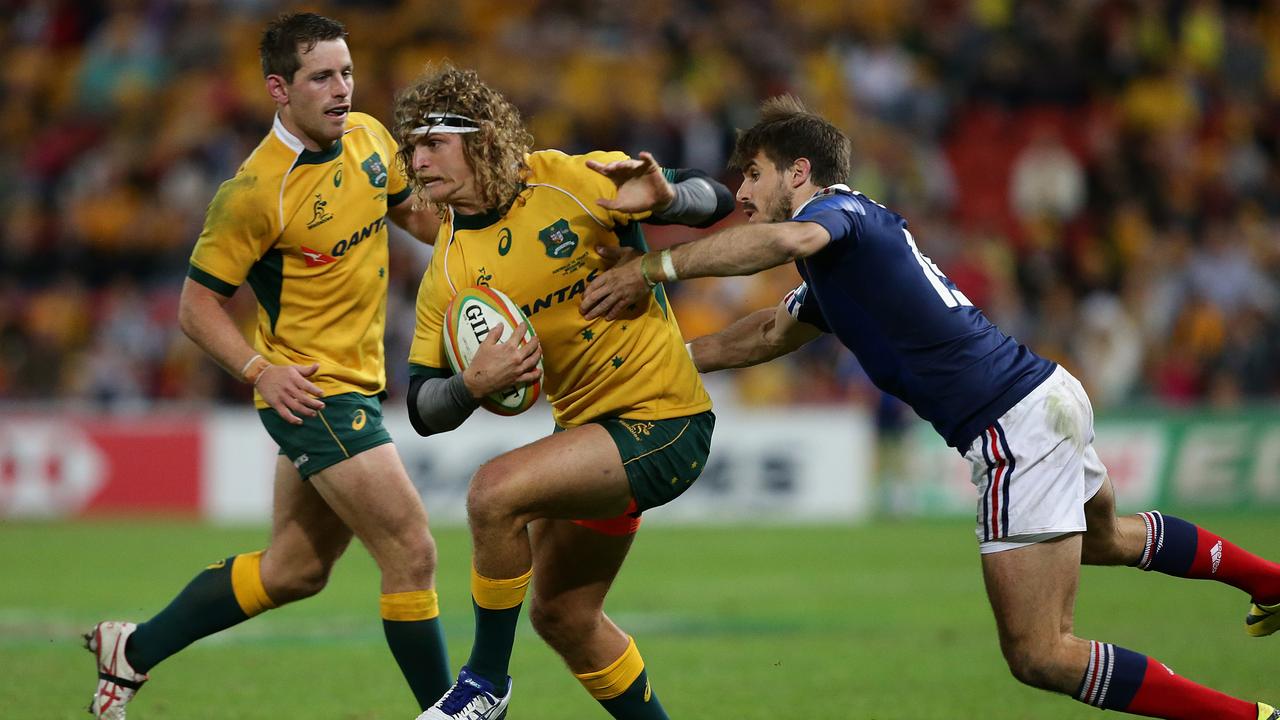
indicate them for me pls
(877, 622)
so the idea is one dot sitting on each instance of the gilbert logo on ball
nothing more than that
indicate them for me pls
(468, 319)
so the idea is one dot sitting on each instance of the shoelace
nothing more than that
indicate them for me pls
(458, 697)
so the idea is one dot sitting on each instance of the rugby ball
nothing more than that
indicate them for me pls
(467, 322)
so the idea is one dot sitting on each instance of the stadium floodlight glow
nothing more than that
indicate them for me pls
(445, 122)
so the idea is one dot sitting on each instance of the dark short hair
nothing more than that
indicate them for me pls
(788, 131)
(283, 36)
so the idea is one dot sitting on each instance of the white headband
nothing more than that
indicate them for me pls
(445, 122)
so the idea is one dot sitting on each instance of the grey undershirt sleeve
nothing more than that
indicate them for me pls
(693, 204)
(700, 200)
(438, 405)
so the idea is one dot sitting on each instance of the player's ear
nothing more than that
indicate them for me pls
(800, 171)
(278, 89)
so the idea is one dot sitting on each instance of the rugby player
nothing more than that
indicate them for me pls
(1024, 423)
(304, 223)
(633, 422)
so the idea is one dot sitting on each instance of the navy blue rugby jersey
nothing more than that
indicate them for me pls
(916, 335)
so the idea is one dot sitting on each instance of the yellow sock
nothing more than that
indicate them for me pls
(246, 583)
(410, 606)
(493, 594)
(614, 680)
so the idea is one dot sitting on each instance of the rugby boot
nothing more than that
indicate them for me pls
(118, 682)
(471, 698)
(1262, 620)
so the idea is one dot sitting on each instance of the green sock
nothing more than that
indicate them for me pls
(411, 623)
(639, 702)
(208, 604)
(495, 638)
(497, 609)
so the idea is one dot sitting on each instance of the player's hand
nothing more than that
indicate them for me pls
(641, 186)
(499, 365)
(617, 291)
(288, 391)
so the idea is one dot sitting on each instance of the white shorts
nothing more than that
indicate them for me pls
(1036, 467)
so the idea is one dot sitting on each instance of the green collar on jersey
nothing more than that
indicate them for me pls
(319, 157)
(479, 221)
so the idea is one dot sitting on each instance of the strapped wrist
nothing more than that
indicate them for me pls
(644, 270)
(668, 266)
(252, 370)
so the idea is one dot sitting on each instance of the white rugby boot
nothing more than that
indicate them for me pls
(471, 698)
(117, 680)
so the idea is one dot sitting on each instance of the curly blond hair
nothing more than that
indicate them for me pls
(496, 153)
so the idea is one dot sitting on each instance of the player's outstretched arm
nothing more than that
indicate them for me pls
(759, 337)
(673, 196)
(641, 185)
(285, 387)
(741, 250)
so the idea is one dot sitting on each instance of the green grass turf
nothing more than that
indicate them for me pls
(881, 621)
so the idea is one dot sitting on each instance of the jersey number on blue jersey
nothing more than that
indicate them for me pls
(946, 289)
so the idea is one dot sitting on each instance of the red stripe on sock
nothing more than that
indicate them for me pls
(1164, 694)
(1221, 560)
(1095, 670)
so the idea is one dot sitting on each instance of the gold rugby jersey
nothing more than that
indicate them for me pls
(308, 231)
(542, 255)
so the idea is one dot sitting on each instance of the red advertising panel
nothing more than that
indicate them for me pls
(59, 466)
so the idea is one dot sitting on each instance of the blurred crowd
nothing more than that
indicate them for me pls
(1101, 176)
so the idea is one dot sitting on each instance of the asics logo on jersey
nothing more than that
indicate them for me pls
(357, 237)
(504, 241)
(318, 214)
(568, 292)
(559, 240)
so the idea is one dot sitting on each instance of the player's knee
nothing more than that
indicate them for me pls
(1031, 664)
(491, 497)
(1103, 546)
(297, 582)
(562, 626)
(417, 556)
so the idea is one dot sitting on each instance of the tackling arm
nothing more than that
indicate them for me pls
(741, 250)
(759, 337)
